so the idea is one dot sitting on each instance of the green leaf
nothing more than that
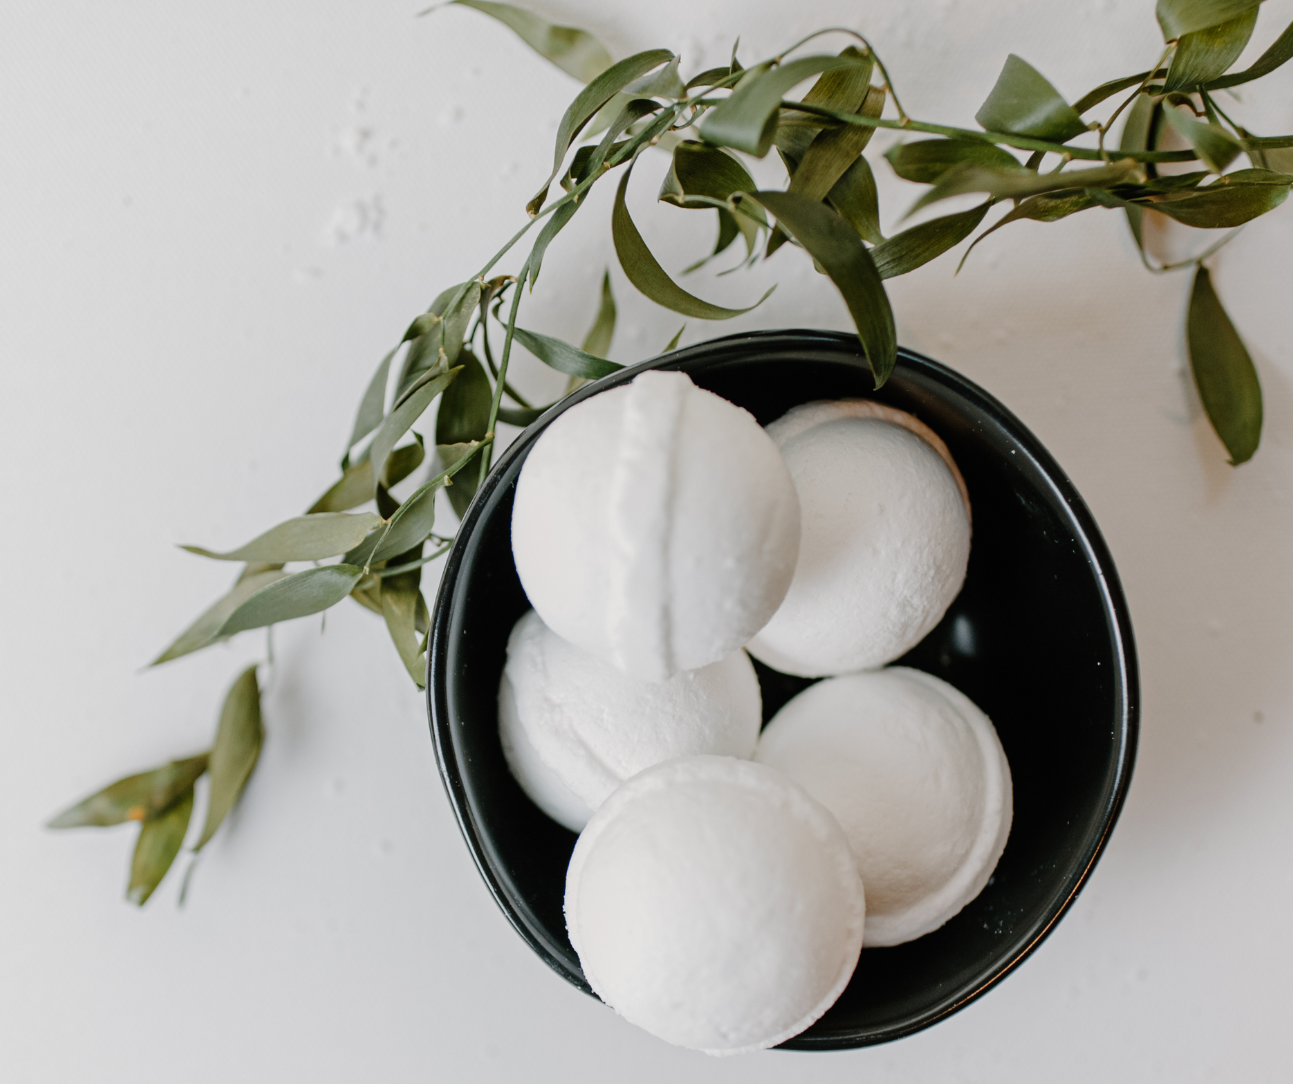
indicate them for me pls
(463, 418)
(563, 357)
(1142, 123)
(400, 596)
(415, 518)
(855, 198)
(134, 798)
(1038, 209)
(1223, 372)
(648, 276)
(833, 151)
(406, 412)
(355, 486)
(1276, 56)
(1211, 142)
(159, 842)
(1105, 90)
(1002, 183)
(845, 90)
(1223, 204)
(672, 344)
(916, 246)
(1206, 54)
(205, 631)
(574, 51)
(238, 739)
(556, 222)
(589, 100)
(372, 406)
(522, 416)
(700, 175)
(297, 595)
(456, 320)
(834, 245)
(665, 83)
(747, 120)
(1181, 17)
(305, 538)
(926, 160)
(1023, 103)
(598, 340)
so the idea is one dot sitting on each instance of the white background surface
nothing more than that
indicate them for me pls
(216, 218)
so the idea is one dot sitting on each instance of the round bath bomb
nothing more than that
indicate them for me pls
(655, 526)
(914, 773)
(574, 728)
(715, 904)
(885, 540)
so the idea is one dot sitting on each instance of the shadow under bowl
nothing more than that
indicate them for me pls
(1039, 637)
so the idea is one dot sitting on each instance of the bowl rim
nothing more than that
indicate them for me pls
(1098, 558)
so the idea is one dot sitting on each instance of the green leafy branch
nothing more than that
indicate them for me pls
(828, 208)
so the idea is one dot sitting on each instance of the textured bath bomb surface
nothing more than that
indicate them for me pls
(713, 903)
(655, 526)
(915, 774)
(884, 544)
(574, 728)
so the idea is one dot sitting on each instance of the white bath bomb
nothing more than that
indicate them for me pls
(574, 728)
(715, 904)
(884, 544)
(656, 526)
(914, 773)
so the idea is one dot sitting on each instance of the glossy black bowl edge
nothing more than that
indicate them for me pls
(1097, 552)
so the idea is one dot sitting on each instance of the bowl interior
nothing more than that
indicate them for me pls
(1039, 638)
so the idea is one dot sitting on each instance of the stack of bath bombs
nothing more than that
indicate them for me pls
(724, 882)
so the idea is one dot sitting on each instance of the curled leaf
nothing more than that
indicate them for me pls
(400, 598)
(926, 160)
(523, 416)
(134, 798)
(1038, 209)
(160, 839)
(1276, 56)
(1212, 143)
(645, 272)
(297, 595)
(1019, 182)
(1181, 17)
(205, 631)
(1024, 103)
(305, 538)
(462, 418)
(238, 739)
(700, 175)
(1225, 203)
(916, 246)
(1223, 372)
(855, 198)
(844, 257)
(1206, 54)
(832, 152)
(574, 51)
(560, 355)
(1137, 134)
(598, 340)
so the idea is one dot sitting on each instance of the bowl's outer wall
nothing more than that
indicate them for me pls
(1039, 638)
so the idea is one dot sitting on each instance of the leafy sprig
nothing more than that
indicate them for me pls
(829, 208)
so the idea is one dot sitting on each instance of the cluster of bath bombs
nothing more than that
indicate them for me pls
(715, 904)
(656, 526)
(884, 544)
(573, 727)
(915, 775)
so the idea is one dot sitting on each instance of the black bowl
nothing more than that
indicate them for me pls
(1039, 637)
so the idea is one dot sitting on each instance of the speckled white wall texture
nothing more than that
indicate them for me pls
(213, 221)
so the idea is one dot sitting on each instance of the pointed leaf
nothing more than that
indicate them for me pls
(522, 416)
(205, 631)
(1211, 142)
(926, 160)
(832, 152)
(297, 595)
(1106, 90)
(589, 100)
(701, 174)
(748, 119)
(400, 596)
(916, 246)
(672, 344)
(598, 340)
(456, 320)
(372, 406)
(854, 196)
(415, 518)
(1276, 56)
(398, 421)
(1206, 54)
(666, 83)
(355, 486)
(1138, 132)
(1001, 183)
(647, 275)
(563, 357)
(238, 739)
(305, 538)
(159, 842)
(1223, 372)
(463, 417)
(834, 245)
(556, 222)
(1038, 209)
(845, 89)
(134, 798)
(1181, 17)
(1223, 205)
(574, 51)
(1023, 103)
